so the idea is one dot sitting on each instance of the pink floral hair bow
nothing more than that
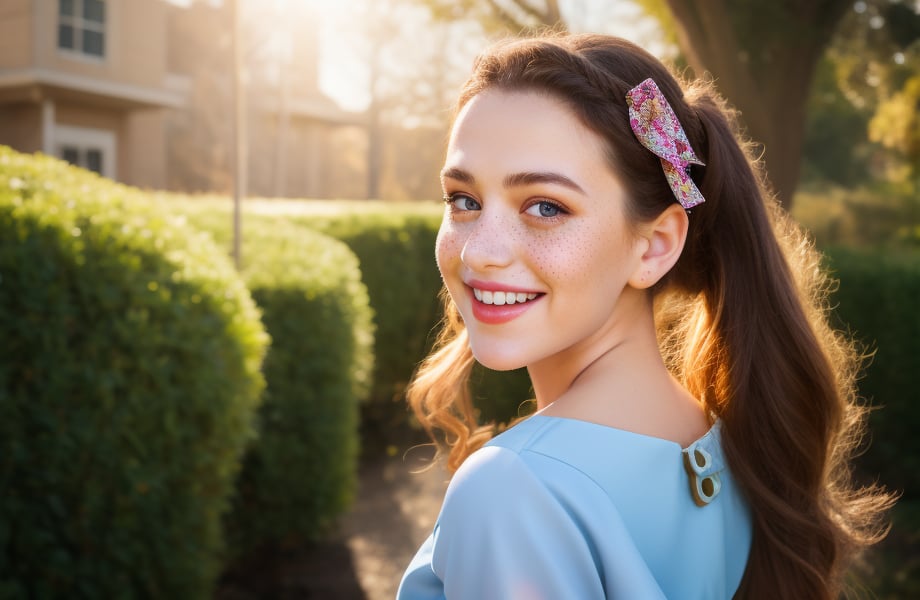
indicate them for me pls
(656, 126)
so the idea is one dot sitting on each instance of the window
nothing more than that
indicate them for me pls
(89, 158)
(92, 149)
(81, 26)
(93, 158)
(71, 154)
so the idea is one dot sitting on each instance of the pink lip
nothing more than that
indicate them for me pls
(492, 314)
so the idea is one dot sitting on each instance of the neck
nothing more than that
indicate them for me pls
(625, 351)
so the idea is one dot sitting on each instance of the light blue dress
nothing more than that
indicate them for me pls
(557, 508)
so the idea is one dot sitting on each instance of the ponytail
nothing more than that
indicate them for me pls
(758, 350)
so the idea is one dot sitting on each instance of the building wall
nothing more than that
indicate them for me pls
(21, 126)
(144, 152)
(87, 116)
(135, 42)
(16, 33)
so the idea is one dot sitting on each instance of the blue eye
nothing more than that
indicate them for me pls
(462, 202)
(545, 209)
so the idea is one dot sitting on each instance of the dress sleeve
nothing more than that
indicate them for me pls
(504, 534)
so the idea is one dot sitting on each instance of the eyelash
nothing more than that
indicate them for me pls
(452, 200)
(560, 209)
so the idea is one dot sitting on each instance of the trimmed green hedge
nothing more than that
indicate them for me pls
(396, 252)
(129, 378)
(877, 302)
(301, 474)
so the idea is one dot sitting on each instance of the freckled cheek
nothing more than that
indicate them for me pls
(448, 247)
(572, 256)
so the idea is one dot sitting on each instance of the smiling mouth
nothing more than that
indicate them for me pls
(503, 298)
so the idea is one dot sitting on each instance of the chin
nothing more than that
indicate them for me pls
(496, 360)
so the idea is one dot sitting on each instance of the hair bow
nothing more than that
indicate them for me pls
(656, 126)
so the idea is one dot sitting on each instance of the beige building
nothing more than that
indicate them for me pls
(138, 90)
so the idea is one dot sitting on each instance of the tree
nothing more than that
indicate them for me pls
(864, 85)
(885, 78)
(896, 125)
(836, 149)
(762, 57)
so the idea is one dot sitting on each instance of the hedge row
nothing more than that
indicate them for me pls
(130, 385)
(301, 474)
(396, 253)
(129, 376)
(877, 302)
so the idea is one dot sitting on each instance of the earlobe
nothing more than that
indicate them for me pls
(665, 238)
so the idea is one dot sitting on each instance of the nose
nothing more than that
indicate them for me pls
(490, 243)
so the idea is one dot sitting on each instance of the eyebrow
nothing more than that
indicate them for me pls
(458, 174)
(516, 179)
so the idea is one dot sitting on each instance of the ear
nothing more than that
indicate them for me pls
(664, 241)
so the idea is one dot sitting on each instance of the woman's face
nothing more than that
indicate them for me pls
(534, 247)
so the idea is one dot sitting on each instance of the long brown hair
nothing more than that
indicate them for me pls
(742, 318)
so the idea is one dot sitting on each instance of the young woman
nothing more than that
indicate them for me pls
(605, 229)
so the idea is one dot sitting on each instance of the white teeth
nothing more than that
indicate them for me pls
(502, 298)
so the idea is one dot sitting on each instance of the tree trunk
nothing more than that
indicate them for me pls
(762, 60)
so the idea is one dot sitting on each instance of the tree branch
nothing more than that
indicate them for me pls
(505, 16)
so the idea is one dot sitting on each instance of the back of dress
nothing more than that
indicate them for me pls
(561, 508)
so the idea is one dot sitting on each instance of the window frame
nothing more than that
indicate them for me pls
(79, 25)
(85, 140)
